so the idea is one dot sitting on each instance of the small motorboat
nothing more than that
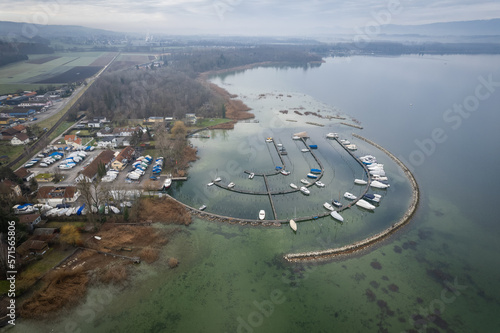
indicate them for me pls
(210, 184)
(231, 185)
(319, 184)
(312, 175)
(349, 196)
(337, 203)
(304, 150)
(351, 147)
(372, 197)
(378, 184)
(269, 140)
(313, 146)
(315, 170)
(218, 179)
(295, 137)
(328, 206)
(360, 182)
(337, 216)
(285, 172)
(332, 135)
(250, 176)
(203, 207)
(379, 178)
(292, 185)
(345, 142)
(167, 183)
(304, 181)
(262, 214)
(304, 190)
(365, 204)
(293, 225)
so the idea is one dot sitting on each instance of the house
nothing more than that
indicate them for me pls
(8, 133)
(123, 141)
(19, 139)
(154, 120)
(32, 247)
(126, 131)
(73, 140)
(9, 188)
(90, 172)
(30, 220)
(6, 121)
(123, 158)
(107, 142)
(54, 196)
(105, 132)
(24, 174)
(45, 234)
(21, 129)
(191, 118)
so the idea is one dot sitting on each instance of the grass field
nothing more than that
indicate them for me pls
(11, 151)
(211, 122)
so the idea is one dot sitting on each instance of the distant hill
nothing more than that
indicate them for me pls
(28, 31)
(457, 28)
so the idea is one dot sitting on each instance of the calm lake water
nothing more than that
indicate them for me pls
(439, 274)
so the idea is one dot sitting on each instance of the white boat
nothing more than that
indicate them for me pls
(292, 185)
(218, 179)
(365, 204)
(377, 177)
(351, 147)
(345, 142)
(251, 175)
(337, 216)
(293, 225)
(114, 209)
(269, 140)
(304, 190)
(262, 214)
(295, 137)
(71, 211)
(378, 184)
(203, 207)
(304, 181)
(167, 183)
(372, 197)
(62, 211)
(210, 184)
(304, 150)
(231, 185)
(349, 196)
(360, 182)
(319, 184)
(332, 135)
(312, 175)
(328, 206)
(284, 172)
(377, 173)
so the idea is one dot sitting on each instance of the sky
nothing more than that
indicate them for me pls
(245, 17)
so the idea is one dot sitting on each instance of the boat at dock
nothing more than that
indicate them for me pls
(351, 147)
(269, 140)
(365, 204)
(304, 190)
(345, 142)
(231, 185)
(203, 207)
(210, 184)
(372, 197)
(349, 196)
(293, 225)
(313, 146)
(218, 179)
(337, 203)
(262, 214)
(292, 185)
(295, 137)
(337, 216)
(319, 184)
(332, 135)
(285, 173)
(378, 184)
(251, 175)
(328, 206)
(304, 181)
(304, 150)
(315, 170)
(360, 182)
(167, 183)
(312, 175)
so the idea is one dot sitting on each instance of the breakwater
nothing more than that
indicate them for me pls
(357, 246)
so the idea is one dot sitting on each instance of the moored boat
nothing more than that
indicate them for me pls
(349, 196)
(167, 183)
(285, 172)
(217, 179)
(203, 207)
(315, 170)
(337, 216)
(304, 181)
(360, 182)
(292, 185)
(328, 206)
(372, 197)
(262, 214)
(365, 204)
(304, 190)
(332, 135)
(293, 225)
(351, 147)
(304, 150)
(251, 175)
(319, 184)
(312, 175)
(378, 184)
(231, 185)
(337, 203)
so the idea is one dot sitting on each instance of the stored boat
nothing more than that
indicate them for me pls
(349, 196)
(365, 204)
(295, 137)
(304, 190)
(337, 216)
(262, 214)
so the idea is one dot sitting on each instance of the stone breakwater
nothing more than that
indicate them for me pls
(357, 246)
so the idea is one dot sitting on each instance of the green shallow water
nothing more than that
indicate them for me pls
(232, 278)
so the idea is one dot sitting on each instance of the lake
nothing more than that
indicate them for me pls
(439, 114)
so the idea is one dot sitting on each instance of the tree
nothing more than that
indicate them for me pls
(101, 170)
(69, 234)
(179, 129)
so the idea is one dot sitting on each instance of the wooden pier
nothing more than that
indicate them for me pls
(270, 198)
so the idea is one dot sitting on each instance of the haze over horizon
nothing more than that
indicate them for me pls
(238, 17)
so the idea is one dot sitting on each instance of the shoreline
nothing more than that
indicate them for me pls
(370, 241)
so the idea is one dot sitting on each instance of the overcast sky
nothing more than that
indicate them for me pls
(244, 17)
